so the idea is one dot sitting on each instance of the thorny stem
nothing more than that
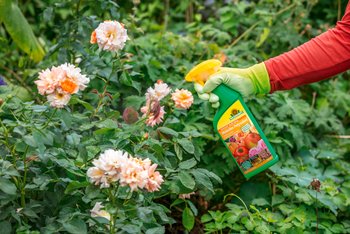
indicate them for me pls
(103, 94)
(100, 101)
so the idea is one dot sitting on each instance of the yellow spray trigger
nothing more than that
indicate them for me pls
(200, 73)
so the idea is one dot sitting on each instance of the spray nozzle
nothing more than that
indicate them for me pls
(200, 73)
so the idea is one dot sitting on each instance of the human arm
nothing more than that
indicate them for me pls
(318, 59)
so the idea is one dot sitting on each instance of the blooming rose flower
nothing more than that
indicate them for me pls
(159, 91)
(97, 212)
(118, 166)
(133, 175)
(58, 83)
(155, 179)
(182, 98)
(98, 177)
(111, 161)
(107, 167)
(110, 35)
(74, 80)
(49, 79)
(58, 99)
(155, 113)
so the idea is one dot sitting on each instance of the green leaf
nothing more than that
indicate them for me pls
(108, 123)
(277, 199)
(74, 185)
(248, 223)
(75, 226)
(156, 230)
(7, 186)
(30, 213)
(186, 145)
(177, 202)
(188, 164)
(5, 227)
(19, 29)
(193, 207)
(188, 219)
(202, 180)
(187, 180)
(29, 140)
(73, 139)
(206, 218)
(263, 37)
(337, 228)
(134, 101)
(260, 202)
(87, 105)
(104, 131)
(7, 168)
(39, 108)
(168, 131)
(131, 228)
(178, 151)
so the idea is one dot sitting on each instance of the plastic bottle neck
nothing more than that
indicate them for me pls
(227, 96)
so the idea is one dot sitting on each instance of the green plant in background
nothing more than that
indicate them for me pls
(19, 30)
(46, 152)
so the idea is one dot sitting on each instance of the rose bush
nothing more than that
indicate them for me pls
(104, 134)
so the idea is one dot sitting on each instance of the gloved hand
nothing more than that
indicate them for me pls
(249, 81)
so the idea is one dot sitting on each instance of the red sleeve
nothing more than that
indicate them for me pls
(318, 59)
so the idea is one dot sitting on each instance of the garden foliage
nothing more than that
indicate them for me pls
(46, 151)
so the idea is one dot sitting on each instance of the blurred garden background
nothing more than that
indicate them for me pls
(48, 154)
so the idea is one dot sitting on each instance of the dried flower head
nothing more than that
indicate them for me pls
(154, 112)
(315, 185)
(186, 195)
(130, 115)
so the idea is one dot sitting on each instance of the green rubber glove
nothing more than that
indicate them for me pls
(248, 82)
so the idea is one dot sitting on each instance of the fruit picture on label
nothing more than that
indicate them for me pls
(248, 149)
(244, 139)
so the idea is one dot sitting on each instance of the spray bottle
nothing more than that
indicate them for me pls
(236, 125)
